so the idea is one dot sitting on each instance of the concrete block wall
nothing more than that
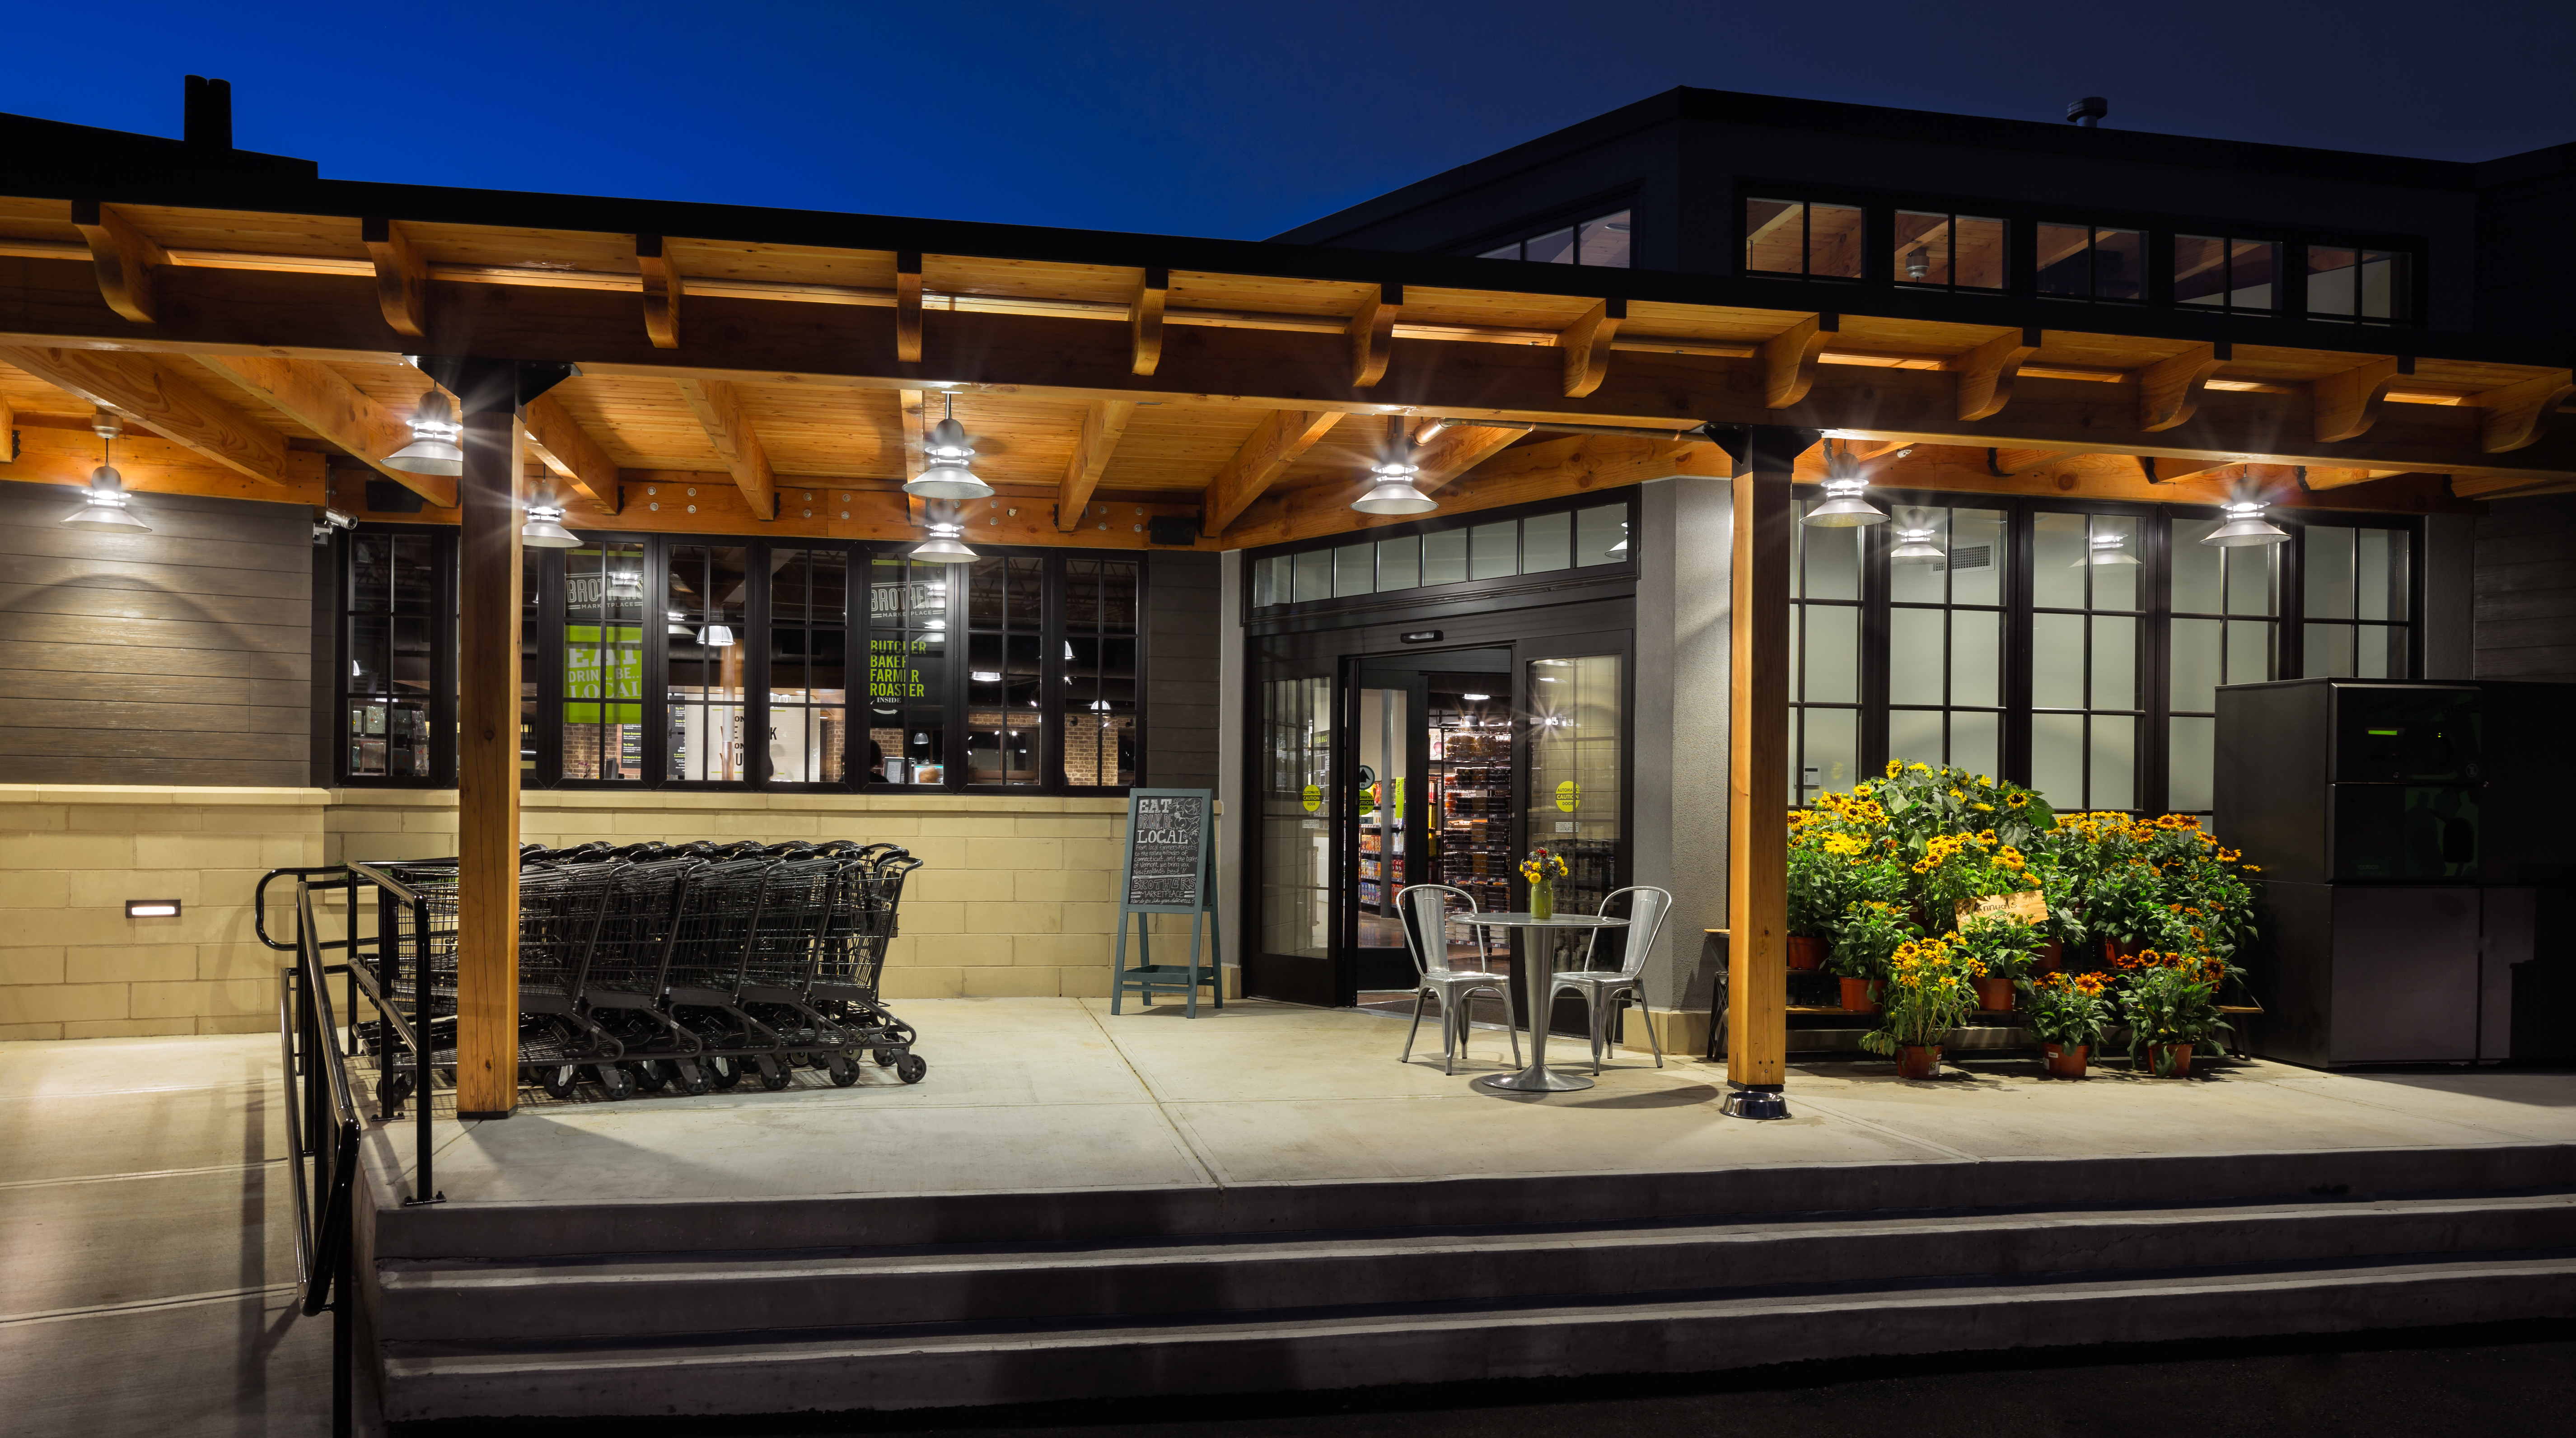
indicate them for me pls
(72, 965)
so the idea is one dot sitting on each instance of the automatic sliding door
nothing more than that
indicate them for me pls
(1295, 958)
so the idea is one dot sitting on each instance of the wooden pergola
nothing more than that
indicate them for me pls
(769, 373)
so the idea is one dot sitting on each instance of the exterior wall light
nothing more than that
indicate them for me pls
(2245, 526)
(434, 431)
(943, 546)
(948, 477)
(151, 908)
(103, 504)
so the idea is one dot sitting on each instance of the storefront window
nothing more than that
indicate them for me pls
(603, 661)
(1100, 645)
(1296, 815)
(396, 667)
(2224, 630)
(1945, 647)
(2356, 586)
(1452, 552)
(1574, 778)
(1824, 639)
(809, 642)
(2084, 692)
(907, 671)
(704, 629)
(1005, 680)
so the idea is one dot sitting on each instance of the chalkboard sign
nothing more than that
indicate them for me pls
(1168, 849)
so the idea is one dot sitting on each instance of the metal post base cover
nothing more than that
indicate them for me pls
(1755, 1103)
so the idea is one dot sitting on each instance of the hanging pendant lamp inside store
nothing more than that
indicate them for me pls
(103, 504)
(2245, 526)
(1843, 507)
(1915, 546)
(434, 431)
(948, 477)
(943, 546)
(2110, 549)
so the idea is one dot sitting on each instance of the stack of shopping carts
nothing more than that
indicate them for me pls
(655, 966)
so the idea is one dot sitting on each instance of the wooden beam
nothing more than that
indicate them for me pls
(563, 446)
(1788, 360)
(1551, 469)
(2169, 390)
(317, 398)
(2503, 488)
(1456, 449)
(2518, 414)
(661, 292)
(487, 769)
(719, 412)
(1986, 373)
(1372, 335)
(134, 386)
(2317, 478)
(1145, 319)
(914, 408)
(2346, 405)
(1758, 768)
(1102, 424)
(2021, 461)
(907, 307)
(48, 454)
(402, 276)
(1958, 470)
(1586, 343)
(2161, 469)
(128, 262)
(1275, 444)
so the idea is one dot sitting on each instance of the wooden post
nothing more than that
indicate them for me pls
(487, 761)
(1757, 1024)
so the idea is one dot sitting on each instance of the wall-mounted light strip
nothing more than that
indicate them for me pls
(151, 908)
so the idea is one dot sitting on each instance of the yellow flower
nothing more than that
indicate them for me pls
(1895, 767)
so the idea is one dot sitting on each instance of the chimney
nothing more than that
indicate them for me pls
(2087, 112)
(209, 113)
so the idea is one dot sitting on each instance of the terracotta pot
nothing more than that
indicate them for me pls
(1918, 1061)
(2053, 958)
(2063, 1061)
(1860, 996)
(1808, 955)
(1995, 994)
(2114, 950)
(2169, 1060)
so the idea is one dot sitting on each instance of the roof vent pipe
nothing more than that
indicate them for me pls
(208, 114)
(2088, 112)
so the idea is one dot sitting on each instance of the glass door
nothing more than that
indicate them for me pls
(1294, 957)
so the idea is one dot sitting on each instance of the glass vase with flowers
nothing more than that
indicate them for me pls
(1540, 871)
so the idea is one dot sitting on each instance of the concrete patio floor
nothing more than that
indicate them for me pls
(1054, 1094)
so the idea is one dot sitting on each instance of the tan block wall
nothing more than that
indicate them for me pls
(1017, 897)
(72, 965)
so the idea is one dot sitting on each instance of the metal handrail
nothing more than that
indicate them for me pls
(415, 1034)
(316, 1068)
(259, 906)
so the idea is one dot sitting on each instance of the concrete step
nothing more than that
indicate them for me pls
(918, 1366)
(633, 1296)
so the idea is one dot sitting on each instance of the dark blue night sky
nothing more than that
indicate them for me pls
(1224, 120)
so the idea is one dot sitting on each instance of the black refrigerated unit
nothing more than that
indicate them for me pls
(2409, 838)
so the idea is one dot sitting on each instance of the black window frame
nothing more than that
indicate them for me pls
(442, 630)
(1519, 233)
(1471, 589)
(543, 685)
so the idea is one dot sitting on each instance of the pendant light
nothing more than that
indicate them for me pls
(2245, 526)
(103, 504)
(948, 477)
(1393, 492)
(544, 528)
(434, 431)
(1843, 507)
(943, 547)
(716, 636)
(1914, 543)
(2110, 549)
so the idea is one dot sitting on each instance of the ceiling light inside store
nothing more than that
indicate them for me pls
(2108, 549)
(434, 431)
(678, 623)
(986, 676)
(103, 504)
(716, 636)
(2245, 526)
(1475, 698)
(1914, 545)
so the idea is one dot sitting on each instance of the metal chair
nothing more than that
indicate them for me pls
(1425, 912)
(1647, 907)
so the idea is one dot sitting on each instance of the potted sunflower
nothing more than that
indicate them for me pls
(2067, 1013)
(2171, 1003)
(1871, 933)
(1931, 990)
(2006, 948)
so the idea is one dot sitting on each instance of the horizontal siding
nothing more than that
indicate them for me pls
(183, 656)
(1181, 678)
(2524, 589)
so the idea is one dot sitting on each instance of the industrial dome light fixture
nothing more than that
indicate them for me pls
(434, 430)
(1843, 507)
(2245, 526)
(103, 504)
(544, 527)
(948, 477)
(2114, 549)
(716, 636)
(1914, 543)
(1394, 492)
(943, 546)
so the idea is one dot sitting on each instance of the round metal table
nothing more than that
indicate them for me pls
(1536, 971)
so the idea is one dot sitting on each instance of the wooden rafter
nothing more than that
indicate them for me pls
(719, 412)
(1275, 444)
(128, 262)
(2346, 405)
(1372, 334)
(1586, 343)
(913, 415)
(1575, 464)
(907, 307)
(1788, 360)
(1457, 449)
(2518, 414)
(1145, 318)
(2169, 390)
(1986, 373)
(402, 277)
(561, 444)
(316, 397)
(1102, 425)
(171, 407)
(2021, 461)
(52, 454)
(661, 292)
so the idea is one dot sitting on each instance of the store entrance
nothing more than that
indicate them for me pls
(1432, 802)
